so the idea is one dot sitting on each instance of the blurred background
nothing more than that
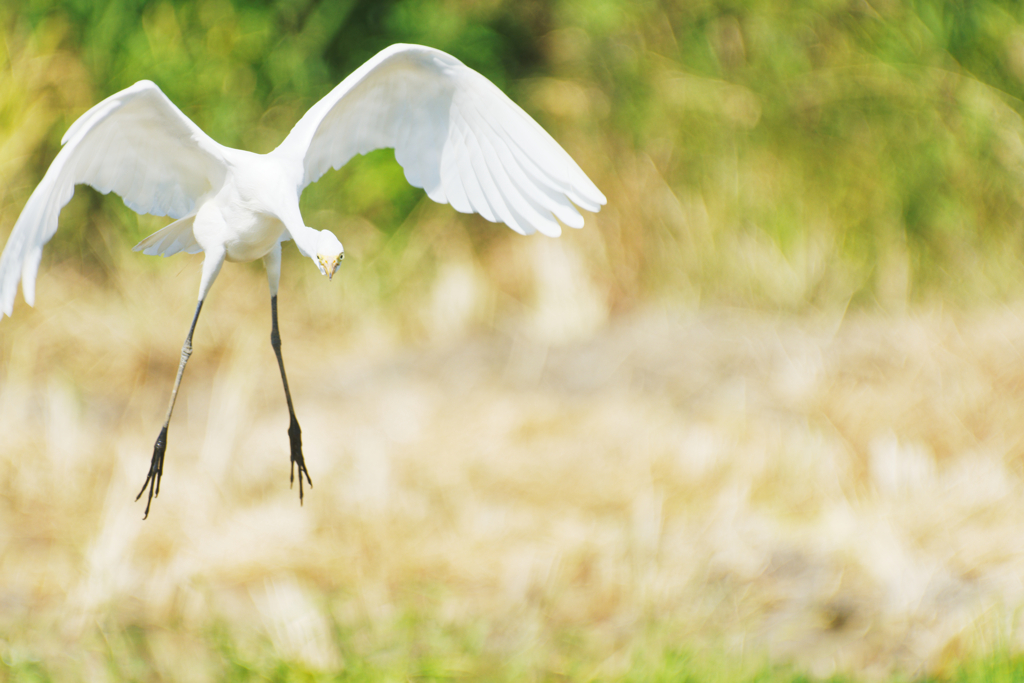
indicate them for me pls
(760, 419)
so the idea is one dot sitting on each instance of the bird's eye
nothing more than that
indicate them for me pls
(341, 258)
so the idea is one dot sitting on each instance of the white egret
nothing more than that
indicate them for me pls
(455, 134)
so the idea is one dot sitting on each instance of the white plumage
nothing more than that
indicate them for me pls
(455, 134)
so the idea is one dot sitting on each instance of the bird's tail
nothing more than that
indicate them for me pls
(169, 240)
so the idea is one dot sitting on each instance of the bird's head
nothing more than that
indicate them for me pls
(329, 253)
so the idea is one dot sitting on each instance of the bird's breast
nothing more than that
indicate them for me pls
(243, 217)
(251, 235)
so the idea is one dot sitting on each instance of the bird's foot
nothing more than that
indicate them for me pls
(295, 437)
(156, 470)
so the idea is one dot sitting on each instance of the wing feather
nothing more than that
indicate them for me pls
(482, 174)
(451, 189)
(455, 134)
(467, 173)
(135, 143)
(518, 192)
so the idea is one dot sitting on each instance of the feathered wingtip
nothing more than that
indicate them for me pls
(11, 274)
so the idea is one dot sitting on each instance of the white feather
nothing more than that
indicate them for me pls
(455, 134)
(171, 239)
(135, 143)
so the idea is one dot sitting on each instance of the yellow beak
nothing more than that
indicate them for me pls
(330, 267)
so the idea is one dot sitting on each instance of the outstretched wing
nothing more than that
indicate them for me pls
(455, 134)
(135, 143)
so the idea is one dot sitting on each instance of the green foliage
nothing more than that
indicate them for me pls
(767, 153)
(449, 658)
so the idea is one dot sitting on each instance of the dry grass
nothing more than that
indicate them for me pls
(518, 457)
(844, 494)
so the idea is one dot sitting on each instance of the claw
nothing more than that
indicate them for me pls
(156, 471)
(295, 437)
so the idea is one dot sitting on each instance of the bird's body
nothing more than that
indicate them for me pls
(454, 133)
(241, 216)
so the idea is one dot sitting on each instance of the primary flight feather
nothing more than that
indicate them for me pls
(455, 134)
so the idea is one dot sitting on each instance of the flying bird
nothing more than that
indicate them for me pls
(455, 134)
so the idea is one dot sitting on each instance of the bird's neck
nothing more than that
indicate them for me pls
(305, 239)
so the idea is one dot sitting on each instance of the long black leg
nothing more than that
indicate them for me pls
(156, 465)
(294, 432)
